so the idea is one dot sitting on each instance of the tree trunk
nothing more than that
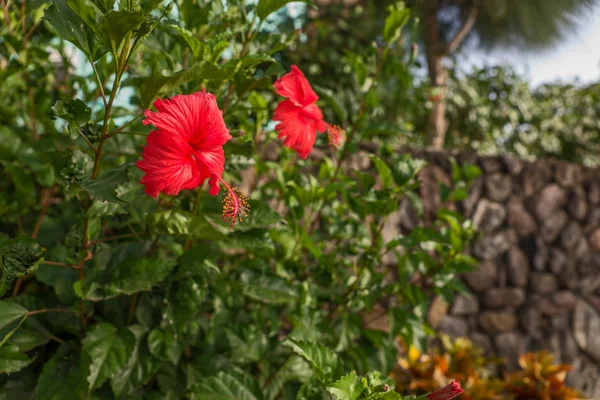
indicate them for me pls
(435, 51)
(436, 120)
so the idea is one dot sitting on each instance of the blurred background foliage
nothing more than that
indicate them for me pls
(491, 109)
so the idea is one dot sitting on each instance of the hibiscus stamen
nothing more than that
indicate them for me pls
(235, 205)
(336, 136)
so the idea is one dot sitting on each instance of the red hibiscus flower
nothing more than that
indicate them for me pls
(187, 148)
(447, 392)
(299, 117)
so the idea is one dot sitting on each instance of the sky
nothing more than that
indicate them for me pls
(578, 56)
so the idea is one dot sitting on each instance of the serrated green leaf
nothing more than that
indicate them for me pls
(139, 368)
(325, 363)
(164, 345)
(270, 290)
(10, 312)
(348, 387)
(75, 112)
(109, 351)
(158, 85)
(105, 186)
(27, 337)
(227, 386)
(62, 377)
(12, 360)
(129, 277)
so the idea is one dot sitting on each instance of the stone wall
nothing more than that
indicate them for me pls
(538, 285)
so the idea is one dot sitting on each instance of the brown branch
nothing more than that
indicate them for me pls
(20, 226)
(61, 264)
(45, 202)
(46, 310)
(6, 16)
(116, 237)
(464, 29)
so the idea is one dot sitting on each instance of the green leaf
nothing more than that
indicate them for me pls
(75, 112)
(12, 360)
(266, 7)
(406, 169)
(105, 186)
(295, 370)
(348, 387)
(163, 344)
(139, 368)
(270, 290)
(62, 377)
(198, 48)
(118, 24)
(28, 337)
(72, 28)
(70, 167)
(185, 301)
(18, 388)
(130, 276)
(227, 386)
(109, 352)
(105, 209)
(394, 23)
(158, 85)
(183, 223)
(260, 216)
(10, 312)
(470, 172)
(384, 172)
(255, 240)
(19, 256)
(325, 363)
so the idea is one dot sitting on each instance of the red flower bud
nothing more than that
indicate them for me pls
(447, 392)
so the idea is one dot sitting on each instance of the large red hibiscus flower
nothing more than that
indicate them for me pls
(299, 117)
(187, 148)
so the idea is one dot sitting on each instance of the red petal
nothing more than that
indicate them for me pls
(187, 147)
(447, 392)
(211, 163)
(298, 126)
(195, 118)
(169, 165)
(295, 87)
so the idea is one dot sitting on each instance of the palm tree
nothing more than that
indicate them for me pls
(521, 24)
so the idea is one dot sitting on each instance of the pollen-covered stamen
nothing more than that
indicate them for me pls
(235, 205)
(336, 136)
